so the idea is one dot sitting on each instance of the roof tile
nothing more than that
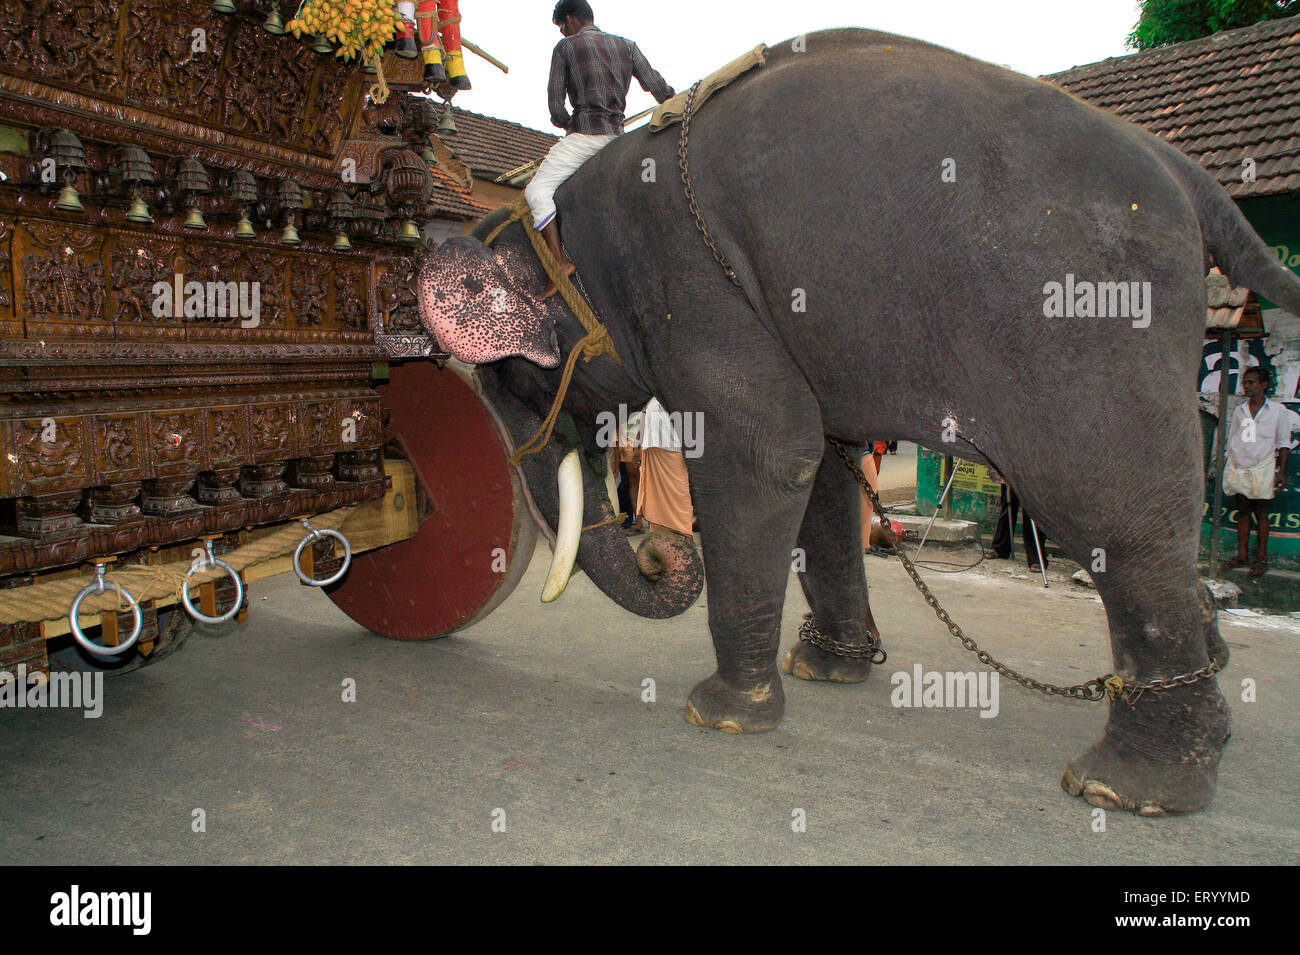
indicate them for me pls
(1218, 99)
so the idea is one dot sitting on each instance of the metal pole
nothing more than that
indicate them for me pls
(951, 465)
(935, 515)
(1221, 449)
(1038, 549)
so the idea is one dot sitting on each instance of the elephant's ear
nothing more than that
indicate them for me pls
(480, 308)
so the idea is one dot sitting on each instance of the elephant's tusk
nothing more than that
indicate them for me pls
(569, 529)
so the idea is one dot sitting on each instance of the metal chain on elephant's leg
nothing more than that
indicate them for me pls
(1110, 685)
(871, 650)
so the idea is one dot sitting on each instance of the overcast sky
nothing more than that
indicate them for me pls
(689, 40)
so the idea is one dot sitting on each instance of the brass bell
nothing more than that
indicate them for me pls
(410, 233)
(244, 229)
(224, 6)
(273, 24)
(69, 200)
(427, 154)
(321, 44)
(195, 220)
(341, 243)
(290, 235)
(447, 125)
(138, 212)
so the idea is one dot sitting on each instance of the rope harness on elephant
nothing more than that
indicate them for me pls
(595, 343)
(1108, 686)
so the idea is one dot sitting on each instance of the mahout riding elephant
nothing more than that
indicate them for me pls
(905, 224)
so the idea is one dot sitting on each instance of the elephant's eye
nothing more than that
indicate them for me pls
(472, 284)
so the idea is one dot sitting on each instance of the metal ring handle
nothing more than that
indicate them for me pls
(99, 649)
(206, 562)
(316, 535)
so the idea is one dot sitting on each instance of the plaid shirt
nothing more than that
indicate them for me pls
(595, 69)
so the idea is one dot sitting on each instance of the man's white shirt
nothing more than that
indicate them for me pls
(1250, 444)
(657, 429)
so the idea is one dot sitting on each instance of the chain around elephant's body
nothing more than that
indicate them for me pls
(683, 145)
(1110, 685)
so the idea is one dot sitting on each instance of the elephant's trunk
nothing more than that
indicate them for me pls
(662, 579)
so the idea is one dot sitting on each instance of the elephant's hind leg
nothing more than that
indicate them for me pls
(830, 551)
(1160, 750)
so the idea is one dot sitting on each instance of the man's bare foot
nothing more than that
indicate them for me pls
(568, 268)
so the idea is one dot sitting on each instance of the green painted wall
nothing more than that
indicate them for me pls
(967, 504)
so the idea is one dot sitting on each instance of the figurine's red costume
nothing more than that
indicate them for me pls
(436, 26)
(441, 17)
(406, 45)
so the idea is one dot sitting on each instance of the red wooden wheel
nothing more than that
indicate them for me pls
(476, 535)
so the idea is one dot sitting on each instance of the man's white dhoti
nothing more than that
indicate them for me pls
(560, 163)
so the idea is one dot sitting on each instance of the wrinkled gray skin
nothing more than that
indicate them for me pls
(822, 172)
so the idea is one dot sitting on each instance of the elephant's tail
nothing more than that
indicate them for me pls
(1238, 250)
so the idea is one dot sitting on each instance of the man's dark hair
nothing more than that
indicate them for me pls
(1265, 378)
(577, 8)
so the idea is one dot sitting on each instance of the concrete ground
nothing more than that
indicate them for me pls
(538, 711)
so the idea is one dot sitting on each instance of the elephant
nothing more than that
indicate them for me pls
(903, 223)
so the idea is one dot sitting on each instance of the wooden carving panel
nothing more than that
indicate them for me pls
(349, 299)
(135, 266)
(309, 288)
(322, 425)
(227, 436)
(46, 454)
(397, 303)
(179, 58)
(368, 414)
(77, 39)
(61, 278)
(164, 60)
(6, 268)
(175, 438)
(120, 449)
(271, 435)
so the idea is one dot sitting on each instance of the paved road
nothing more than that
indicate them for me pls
(538, 711)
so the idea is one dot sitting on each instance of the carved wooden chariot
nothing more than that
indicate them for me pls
(207, 236)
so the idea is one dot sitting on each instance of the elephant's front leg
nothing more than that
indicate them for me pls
(829, 561)
(751, 489)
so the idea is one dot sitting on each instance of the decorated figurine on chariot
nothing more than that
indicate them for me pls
(436, 24)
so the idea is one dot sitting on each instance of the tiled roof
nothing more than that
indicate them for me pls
(491, 146)
(1231, 306)
(1221, 100)
(452, 201)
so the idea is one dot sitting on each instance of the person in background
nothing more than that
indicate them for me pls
(1001, 548)
(664, 497)
(869, 471)
(873, 534)
(626, 461)
(878, 449)
(1259, 449)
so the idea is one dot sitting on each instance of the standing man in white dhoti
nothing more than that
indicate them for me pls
(1259, 446)
(594, 70)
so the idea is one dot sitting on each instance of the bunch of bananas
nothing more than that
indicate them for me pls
(355, 26)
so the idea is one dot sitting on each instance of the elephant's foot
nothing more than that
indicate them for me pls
(808, 662)
(755, 708)
(1165, 762)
